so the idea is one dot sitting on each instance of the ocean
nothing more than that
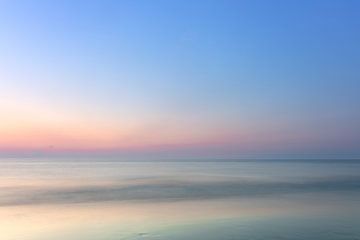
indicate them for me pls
(95, 199)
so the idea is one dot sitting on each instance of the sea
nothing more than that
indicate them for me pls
(99, 199)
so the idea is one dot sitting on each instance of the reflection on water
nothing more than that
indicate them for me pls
(93, 200)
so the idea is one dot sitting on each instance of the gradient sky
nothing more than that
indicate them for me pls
(180, 79)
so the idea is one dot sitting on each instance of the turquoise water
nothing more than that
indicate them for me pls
(97, 199)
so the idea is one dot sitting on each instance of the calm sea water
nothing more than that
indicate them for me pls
(99, 200)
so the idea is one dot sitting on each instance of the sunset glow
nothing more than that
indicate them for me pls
(188, 83)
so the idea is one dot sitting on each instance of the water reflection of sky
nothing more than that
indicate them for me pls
(52, 200)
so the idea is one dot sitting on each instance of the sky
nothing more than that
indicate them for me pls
(180, 79)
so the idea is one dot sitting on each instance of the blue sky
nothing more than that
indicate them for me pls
(189, 78)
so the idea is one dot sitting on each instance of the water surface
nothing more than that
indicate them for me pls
(97, 199)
